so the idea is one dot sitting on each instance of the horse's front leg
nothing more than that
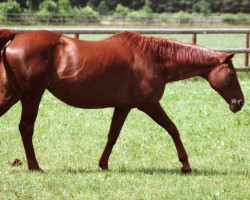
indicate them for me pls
(26, 127)
(119, 117)
(156, 112)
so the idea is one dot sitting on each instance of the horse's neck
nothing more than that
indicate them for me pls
(177, 72)
(184, 61)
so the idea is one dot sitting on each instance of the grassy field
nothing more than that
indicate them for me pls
(144, 164)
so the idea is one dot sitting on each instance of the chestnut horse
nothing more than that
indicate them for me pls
(124, 71)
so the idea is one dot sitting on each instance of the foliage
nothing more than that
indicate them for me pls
(11, 6)
(47, 7)
(159, 6)
(146, 8)
(87, 10)
(28, 7)
(163, 17)
(140, 15)
(202, 7)
(102, 8)
(233, 18)
(121, 10)
(182, 17)
(64, 7)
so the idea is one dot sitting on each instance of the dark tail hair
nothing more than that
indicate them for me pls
(5, 36)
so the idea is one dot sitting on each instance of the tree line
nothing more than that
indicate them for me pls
(111, 6)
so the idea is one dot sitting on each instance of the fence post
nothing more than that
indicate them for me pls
(6, 19)
(61, 19)
(48, 19)
(194, 38)
(76, 35)
(246, 63)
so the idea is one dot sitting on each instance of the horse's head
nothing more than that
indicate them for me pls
(224, 80)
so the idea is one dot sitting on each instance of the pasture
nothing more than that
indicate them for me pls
(144, 165)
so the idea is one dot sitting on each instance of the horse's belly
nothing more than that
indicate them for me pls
(92, 95)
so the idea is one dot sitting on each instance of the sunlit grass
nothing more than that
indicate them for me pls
(144, 165)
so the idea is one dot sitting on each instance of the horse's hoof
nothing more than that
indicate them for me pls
(186, 170)
(37, 169)
(103, 167)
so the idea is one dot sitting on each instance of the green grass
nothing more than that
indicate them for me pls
(144, 164)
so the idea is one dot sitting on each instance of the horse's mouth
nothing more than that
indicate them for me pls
(236, 105)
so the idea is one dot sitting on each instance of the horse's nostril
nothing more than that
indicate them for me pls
(241, 102)
(234, 102)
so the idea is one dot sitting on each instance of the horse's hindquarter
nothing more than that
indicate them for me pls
(92, 74)
(29, 57)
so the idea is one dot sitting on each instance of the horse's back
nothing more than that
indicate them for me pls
(93, 73)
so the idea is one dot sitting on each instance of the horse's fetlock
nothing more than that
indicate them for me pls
(103, 166)
(183, 159)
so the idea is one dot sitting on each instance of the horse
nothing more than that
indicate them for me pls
(125, 71)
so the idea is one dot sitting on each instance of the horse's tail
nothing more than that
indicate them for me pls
(5, 36)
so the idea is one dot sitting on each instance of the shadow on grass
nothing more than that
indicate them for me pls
(155, 171)
(141, 170)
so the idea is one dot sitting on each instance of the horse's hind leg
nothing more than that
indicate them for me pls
(156, 112)
(119, 117)
(26, 127)
(6, 104)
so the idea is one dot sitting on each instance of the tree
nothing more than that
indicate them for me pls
(132, 4)
(162, 6)
(87, 10)
(11, 6)
(230, 6)
(47, 7)
(202, 7)
(245, 6)
(64, 6)
(102, 8)
(136, 5)
(22, 3)
(146, 8)
(121, 10)
(35, 4)
(112, 3)
(78, 3)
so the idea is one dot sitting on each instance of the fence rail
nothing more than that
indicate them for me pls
(194, 32)
(73, 19)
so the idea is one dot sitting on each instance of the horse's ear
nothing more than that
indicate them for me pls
(227, 58)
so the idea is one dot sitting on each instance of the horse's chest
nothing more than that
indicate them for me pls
(149, 87)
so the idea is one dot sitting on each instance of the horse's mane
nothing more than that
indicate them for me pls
(171, 50)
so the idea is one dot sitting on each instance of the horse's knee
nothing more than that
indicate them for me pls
(26, 129)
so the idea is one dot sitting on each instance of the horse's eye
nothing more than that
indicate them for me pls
(231, 73)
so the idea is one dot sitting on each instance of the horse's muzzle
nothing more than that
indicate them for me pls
(236, 105)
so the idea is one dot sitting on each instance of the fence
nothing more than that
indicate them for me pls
(80, 19)
(193, 32)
